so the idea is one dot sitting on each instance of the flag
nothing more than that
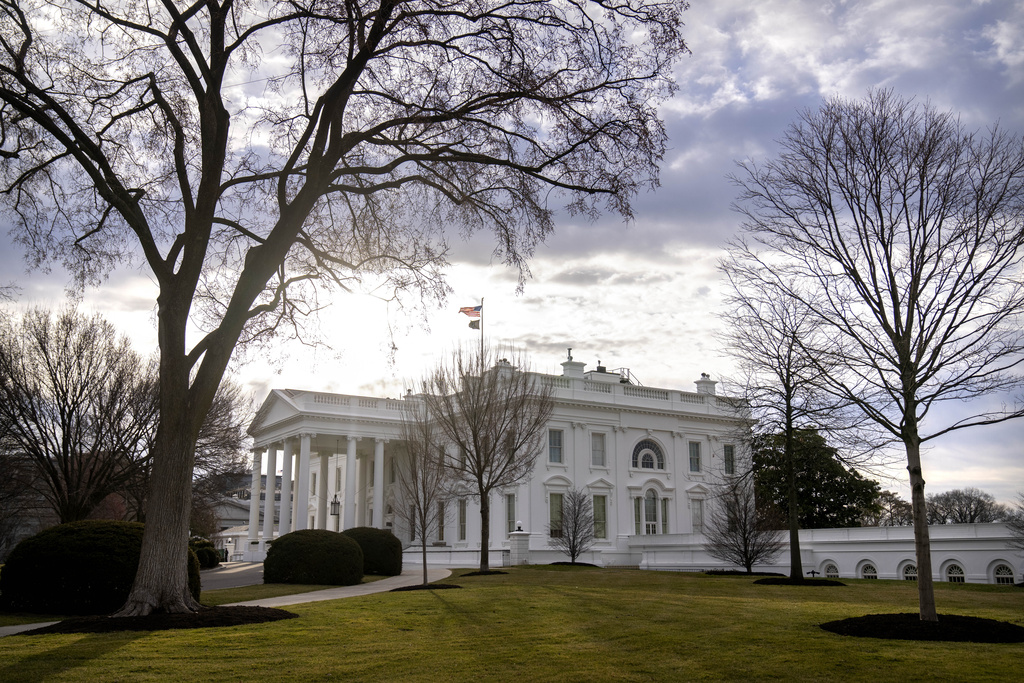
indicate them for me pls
(472, 311)
(474, 324)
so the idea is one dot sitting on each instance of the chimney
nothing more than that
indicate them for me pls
(705, 385)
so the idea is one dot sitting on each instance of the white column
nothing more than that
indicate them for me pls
(268, 496)
(321, 494)
(254, 498)
(350, 484)
(378, 483)
(285, 524)
(302, 484)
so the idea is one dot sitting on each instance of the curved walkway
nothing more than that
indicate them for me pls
(408, 577)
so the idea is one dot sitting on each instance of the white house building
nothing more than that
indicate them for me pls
(649, 458)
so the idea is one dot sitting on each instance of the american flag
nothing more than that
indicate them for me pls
(471, 311)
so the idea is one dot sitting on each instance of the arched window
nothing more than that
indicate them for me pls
(910, 572)
(831, 571)
(650, 517)
(955, 573)
(868, 571)
(647, 455)
(1003, 574)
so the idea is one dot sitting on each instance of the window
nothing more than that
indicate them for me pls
(638, 515)
(868, 571)
(337, 479)
(647, 455)
(664, 515)
(597, 458)
(910, 572)
(554, 445)
(601, 517)
(312, 484)
(697, 511)
(651, 513)
(391, 472)
(463, 458)
(440, 522)
(695, 456)
(1003, 575)
(555, 525)
(510, 512)
(729, 455)
(831, 571)
(955, 573)
(462, 519)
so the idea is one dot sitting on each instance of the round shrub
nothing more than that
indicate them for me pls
(208, 558)
(382, 551)
(314, 556)
(78, 568)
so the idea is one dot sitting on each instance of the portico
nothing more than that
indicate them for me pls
(324, 446)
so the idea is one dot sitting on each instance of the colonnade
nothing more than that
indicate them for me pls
(294, 508)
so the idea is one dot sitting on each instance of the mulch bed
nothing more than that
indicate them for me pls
(798, 582)
(427, 587)
(206, 617)
(490, 572)
(736, 572)
(907, 626)
(574, 564)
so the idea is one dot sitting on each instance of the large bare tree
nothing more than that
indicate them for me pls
(251, 152)
(78, 404)
(494, 414)
(900, 232)
(965, 506)
(740, 530)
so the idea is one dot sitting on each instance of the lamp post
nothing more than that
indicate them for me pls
(335, 506)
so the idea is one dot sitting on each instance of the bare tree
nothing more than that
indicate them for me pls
(77, 402)
(159, 132)
(740, 531)
(778, 381)
(892, 511)
(1015, 522)
(964, 506)
(495, 414)
(900, 232)
(573, 532)
(422, 477)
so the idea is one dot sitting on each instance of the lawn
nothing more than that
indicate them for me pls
(534, 624)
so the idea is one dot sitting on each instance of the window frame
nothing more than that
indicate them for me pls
(729, 459)
(595, 438)
(555, 531)
(600, 521)
(693, 449)
(558, 448)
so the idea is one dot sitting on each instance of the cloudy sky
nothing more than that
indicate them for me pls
(646, 296)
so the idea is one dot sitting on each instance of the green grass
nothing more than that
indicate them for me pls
(224, 596)
(533, 624)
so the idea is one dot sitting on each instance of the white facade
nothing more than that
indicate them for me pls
(650, 459)
(648, 456)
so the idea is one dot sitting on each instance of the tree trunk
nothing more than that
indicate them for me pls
(796, 567)
(161, 582)
(922, 543)
(485, 532)
(423, 545)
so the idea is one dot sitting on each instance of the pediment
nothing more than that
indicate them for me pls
(277, 407)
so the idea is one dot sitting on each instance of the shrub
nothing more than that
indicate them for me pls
(382, 551)
(314, 556)
(78, 568)
(208, 557)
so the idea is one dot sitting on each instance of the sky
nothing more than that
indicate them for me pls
(646, 295)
